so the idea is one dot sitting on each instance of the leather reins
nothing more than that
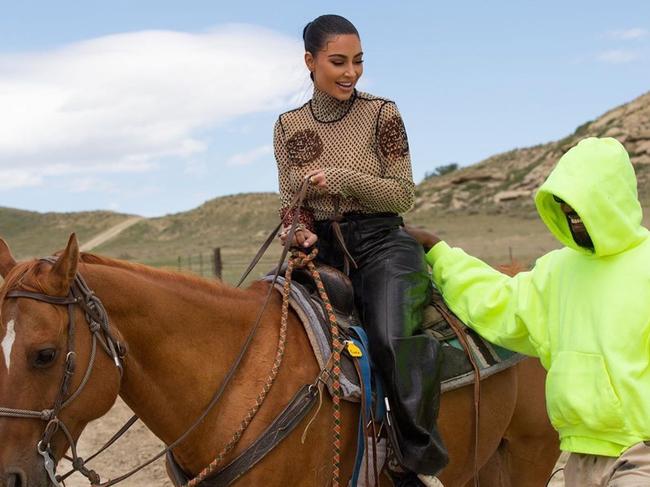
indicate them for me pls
(295, 207)
(98, 324)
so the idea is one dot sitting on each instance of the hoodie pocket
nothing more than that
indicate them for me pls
(580, 393)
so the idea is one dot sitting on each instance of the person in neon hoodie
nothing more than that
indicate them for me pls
(584, 310)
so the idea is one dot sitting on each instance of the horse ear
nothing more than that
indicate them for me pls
(65, 268)
(7, 261)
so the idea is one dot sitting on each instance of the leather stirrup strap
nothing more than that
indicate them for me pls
(459, 329)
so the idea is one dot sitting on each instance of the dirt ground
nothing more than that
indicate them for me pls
(136, 447)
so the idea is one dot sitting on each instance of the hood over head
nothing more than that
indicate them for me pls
(597, 179)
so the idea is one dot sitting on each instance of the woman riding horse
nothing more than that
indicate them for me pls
(353, 148)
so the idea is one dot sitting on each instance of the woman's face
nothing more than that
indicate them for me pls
(337, 67)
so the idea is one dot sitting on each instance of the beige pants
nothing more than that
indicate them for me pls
(631, 469)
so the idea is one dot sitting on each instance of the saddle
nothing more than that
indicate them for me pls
(466, 358)
(457, 370)
(305, 301)
(337, 286)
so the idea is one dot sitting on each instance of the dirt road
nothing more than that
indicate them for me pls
(109, 234)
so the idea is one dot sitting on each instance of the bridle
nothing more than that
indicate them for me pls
(97, 320)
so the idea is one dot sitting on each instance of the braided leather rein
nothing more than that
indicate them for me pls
(298, 259)
(97, 320)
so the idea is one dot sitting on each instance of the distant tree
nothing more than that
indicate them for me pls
(441, 170)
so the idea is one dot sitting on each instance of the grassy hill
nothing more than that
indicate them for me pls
(237, 224)
(32, 234)
(485, 208)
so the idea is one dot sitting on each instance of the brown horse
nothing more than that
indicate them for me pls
(181, 334)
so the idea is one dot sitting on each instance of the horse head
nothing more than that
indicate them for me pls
(52, 383)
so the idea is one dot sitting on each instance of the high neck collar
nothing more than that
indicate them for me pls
(326, 108)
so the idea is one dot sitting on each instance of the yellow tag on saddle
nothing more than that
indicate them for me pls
(353, 350)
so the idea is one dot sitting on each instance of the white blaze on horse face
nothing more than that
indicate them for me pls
(8, 343)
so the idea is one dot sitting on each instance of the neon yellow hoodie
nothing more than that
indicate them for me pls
(585, 314)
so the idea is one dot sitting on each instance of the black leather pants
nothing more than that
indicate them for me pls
(391, 288)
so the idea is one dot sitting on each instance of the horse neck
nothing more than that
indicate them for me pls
(182, 335)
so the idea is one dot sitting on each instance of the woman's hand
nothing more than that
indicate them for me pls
(302, 237)
(317, 178)
(422, 236)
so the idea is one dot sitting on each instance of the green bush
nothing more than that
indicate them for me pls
(441, 170)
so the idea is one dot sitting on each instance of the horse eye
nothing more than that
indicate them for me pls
(44, 357)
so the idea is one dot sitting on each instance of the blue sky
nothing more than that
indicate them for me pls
(153, 107)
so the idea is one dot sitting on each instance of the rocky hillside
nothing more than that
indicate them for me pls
(507, 181)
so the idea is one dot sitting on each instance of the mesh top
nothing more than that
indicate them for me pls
(361, 146)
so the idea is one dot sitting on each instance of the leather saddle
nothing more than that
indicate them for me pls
(456, 369)
(337, 286)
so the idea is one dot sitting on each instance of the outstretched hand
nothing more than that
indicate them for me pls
(422, 236)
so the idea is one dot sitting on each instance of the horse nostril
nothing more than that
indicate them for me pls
(16, 479)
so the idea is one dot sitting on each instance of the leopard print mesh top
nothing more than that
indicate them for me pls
(361, 146)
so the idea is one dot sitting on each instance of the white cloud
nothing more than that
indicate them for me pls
(628, 34)
(122, 102)
(248, 157)
(87, 184)
(618, 56)
(19, 178)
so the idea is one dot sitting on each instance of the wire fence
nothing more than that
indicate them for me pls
(213, 265)
(207, 264)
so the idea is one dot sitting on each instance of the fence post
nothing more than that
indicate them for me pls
(179, 264)
(218, 266)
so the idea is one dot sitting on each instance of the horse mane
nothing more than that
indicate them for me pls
(18, 274)
(30, 268)
(154, 273)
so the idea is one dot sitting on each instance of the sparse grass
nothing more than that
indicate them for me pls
(473, 186)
